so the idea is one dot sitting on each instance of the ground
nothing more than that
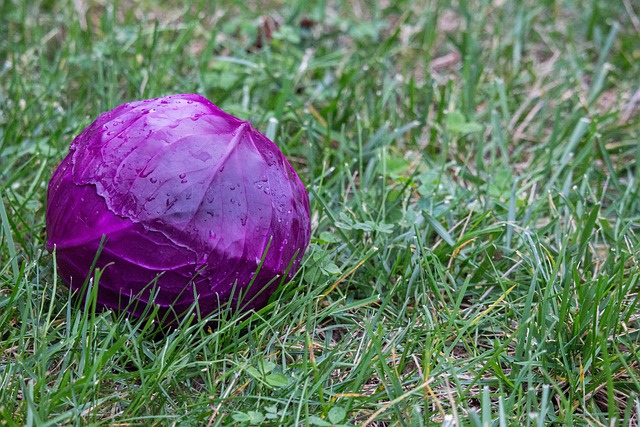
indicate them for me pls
(472, 170)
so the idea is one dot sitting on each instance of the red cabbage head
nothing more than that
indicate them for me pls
(192, 202)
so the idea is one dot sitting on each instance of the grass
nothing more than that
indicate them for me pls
(473, 174)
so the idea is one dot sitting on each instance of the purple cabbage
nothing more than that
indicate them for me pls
(184, 194)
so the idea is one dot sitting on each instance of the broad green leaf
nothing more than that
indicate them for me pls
(457, 123)
(253, 372)
(241, 417)
(337, 414)
(277, 380)
(255, 418)
(317, 421)
(331, 269)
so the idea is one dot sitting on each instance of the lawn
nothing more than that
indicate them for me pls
(472, 168)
